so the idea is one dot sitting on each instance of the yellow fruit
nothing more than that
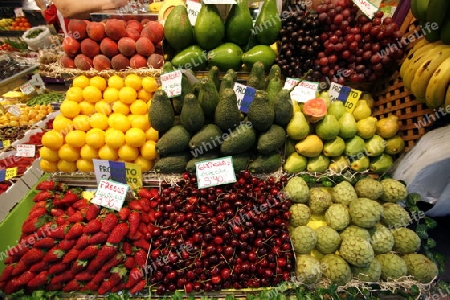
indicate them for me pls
(98, 120)
(52, 139)
(121, 108)
(127, 94)
(81, 122)
(107, 153)
(68, 153)
(76, 138)
(48, 166)
(114, 138)
(67, 166)
(149, 84)
(134, 81)
(146, 165)
(148, 150)
(49, 154)
(95, 138)
(152, 134)
(128, 153)
(103, 107)
(62, 125)
(84, 165)
(88, 152)
(139, 107)
(87, 108)
(144, 95)
(98, 82)
(135, 137)
(81, 81)
(111, 95)
(121, 123)
(116, 82)
(140, 121)
(92, 94)
(74, 93)
(70, 109)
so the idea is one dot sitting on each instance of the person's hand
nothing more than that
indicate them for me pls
(119, 3)
(41, 4)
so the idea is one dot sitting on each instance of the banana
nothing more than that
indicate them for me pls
(435, 94)
(413, 7)
(425, 71)
(436, 11)
(445, 30)
(421, 7)
(412, 53)
(447, 99)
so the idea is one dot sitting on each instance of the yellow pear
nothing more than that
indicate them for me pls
(367, 127)
(362, 110)
(387, 127)
(311, 146)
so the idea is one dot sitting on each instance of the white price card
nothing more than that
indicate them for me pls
(335, 89)
(14, 110)
(193, 9)
(110, 194)
(171, 83)
(215, 172)
(367, 7)
(245, 95)
(27, 88)
(290, 83)
(101, 169)
(26, 150)
(304, 91)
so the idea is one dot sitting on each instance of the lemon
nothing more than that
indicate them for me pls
(128, 153)
(152, 134)
(103, 107)
(88, 152)
(148, 150)
(98, 82)
(116, 82)
(121, 123)
(121, 108)
(92, 94)
(146, 165)
(111, 94)
(81, 122)
(95, 138)
(62, 125)
(70, 109)
(135, 137)
(74, 93)
(134, 81)
(76, 138)
(140, 121)
(81, 81)
(98, 120)
(107, 153)
(139, 107)
(127, 95)
(84, 165)
(52, 139)
(48, 166)
(149, 84)
(49, 154)
(114, 138)
(68, 153)
(66, 166)
(87, 108)
(144, 95)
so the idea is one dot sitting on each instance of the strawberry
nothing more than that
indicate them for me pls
(80, 204)
(100, 276)
(54, 255)
(92, 212)
(114, 261)
(66, 244)
(55, 287)
(134, 219)
(142, 243)
(62, 220)
(138, 287)
(45, 243)
(140, 257)
(109, 222)
(43, 196)
(82, 242)
(7, 273)
(118, 233)
(72, 286)
(154, 203)
(33, 224)
(17, 251)
(124, 212)
(116, 275)
(151, 216)
(59, 232)
(19, 268)
(119, 287)
(135, 276)
(10, 260)
(24, 278)
(39, 280)
(135, 205)
(69, 211)
(98, 238)
(93, 226)
(37, 212)
(39, 267)
(76, 217)
(11, 286)
(95, 265)
(107, 252)
(32, 256)
(57, 268)
(145, 218)
(39, 204)
(143, 229)
(71, 256)
(75, 231)
(145, 193)
(136, 236)
(46, 185)
(126, 248)
(84, 276)
(78, 266)
(130, 263)
(62, 277)
(91, 286)
(70, 197)
(105, 287)
(88, 252)
(57, 212)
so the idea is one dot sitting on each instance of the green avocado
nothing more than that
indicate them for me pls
(178, 29)
(192, 57)
(226, 56)
(209, 29)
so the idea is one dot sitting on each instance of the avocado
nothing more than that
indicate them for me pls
(232, 73)
(274, 71)
(274, 86)
(262, 53)
(268, 23)
(239, 24)
(173, 163)
(226, 56)
(284, 111)
(209, 29)
(260, 113)
(271, 140)
(161, 114)
(178, 29)
(257, 77)
(205, 138)
(192, 57)
(266, 163)
(191, 116)
(176, 139)
(227, 115)
(208, 97)
(226, 83)
(190, 167)
(241, 161)
(241, 139)
(214, 76)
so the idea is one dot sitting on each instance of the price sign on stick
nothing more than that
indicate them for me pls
(193, 9)
(367, 7)
(133, 175)
(9, 173)
(110, 194)
(171, 83)
(305, 91)
(26, 150)
(215, 172)
(290, 83)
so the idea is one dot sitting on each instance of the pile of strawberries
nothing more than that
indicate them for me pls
(68, 244)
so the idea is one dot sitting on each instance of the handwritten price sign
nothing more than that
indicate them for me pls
(367, 7)
(25, 150)
(304, 91)
(245, 95)
(349, 96)
(215, 172)
(110, 194)
(171, 83)
(193, 9)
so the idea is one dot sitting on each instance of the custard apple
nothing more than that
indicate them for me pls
(395, 216)
(421, 267)
(371, 273)
(328, 239)
(369, 188)
(406, 241)
(337, 216)
(394, 190)
(304, 239)
(300, 214)
(392, 266)
(356, 251)
(357, 231)
(308, 269)
(297, 190)
(344, 193)
(319, 200)
(336, 269)
(365, 212)
(381, 239)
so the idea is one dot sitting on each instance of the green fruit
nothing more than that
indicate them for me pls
(192, 57)
(209, 29)
(261, 53)
(406, 241)
(227, 115)
(355, 231)
(394, 145)
(381, 164)
(214, 76)
(394, 190)
(271, 140)
(303, 239)
(319, 200)
(337, 216)
(392, 266)
(205, 139)
(381, 239)
(191, 116)
(266, 163)
(336, 269)
(176, 139)
(318, 164)
(421, 267)
(261, 113)
(360, 164)
(327, 128)
(284, 110)
(344, 193)
(354, 146)
(226, 83)
(366, 127)
(226, 56)
(300, 214)
(173, 163)
(334, 147)
(208, 97)
(256, 78)
(178, 29)
(295, 163)
(365, 212)
(191, 168)
(375, 145)
(369, 188)
(371, 273)
(328, 240)
(308, 269)
(395, 216)
(347, 126)
(268, 23)
(337, 109)
(239, 23)
(161, 114)
(297, 190)
(241, 139)
(297, 128)
(241, 161)
(356, 251)
(311, 146)
(274, 86)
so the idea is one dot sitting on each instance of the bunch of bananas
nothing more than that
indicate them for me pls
(426, 73)
(434, 18)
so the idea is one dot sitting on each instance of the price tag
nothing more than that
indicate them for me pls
(215, 172)
(101, 170)
(10, 173)
(352, 99)
(367, 7)
(304, 91)
(133, 175)
(345, 94)
(171, 83)
(110, 194)
(245, 95)
(26, 150)
(290, 83)
(5, 144)
(27, 88)
(334, 90)
(219, 1)
(14, 110)
(36, 80)
(118, 172)
(193, 9)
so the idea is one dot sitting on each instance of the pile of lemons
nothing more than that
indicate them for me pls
(102, 119)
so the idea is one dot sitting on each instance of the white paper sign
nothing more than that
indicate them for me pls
(193, 9)
(14, 110)
(26, 150)
(101, 169)
(304, 91)
(215, 172)
(27, 88)
(110, 194)
(219, 1)
(290, 83)
(367, 7)
(334, 90)
(171, 83)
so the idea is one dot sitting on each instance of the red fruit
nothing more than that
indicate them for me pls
(75, 231)
(71, 256)
(133, 33)
(62, 220)
(135, 24)
(39, 280)
(93, 226)
(119, 287)
(57, 212)
(31, 225)
(130, 263)
(45, 243)
(91, 286)
(83, 62)
(84, 276)
(78, 266)
(70, 197)
(57, 268)
(109, 48)
(134, 219)
(77, 29)
(98, 238)
(127, 46)
(70, 46)
(46, 185)
(32, 256)
(115, 29)
(67, 245)
(138, 287)
(120, 62)
(39, 267)
(82, 242)
(154, 31)
(118, 233)
(59, 232)
(54, 255)
(80, 204)
(76, 217)
(42, 196)
(7, 273)
(19, 268)
(100, 276)
(135, 276)
(140, 257)
(92, 212)
(145, 47)
(101, 62)
(72, 286)
(124, 212)
(112, 262)
(135, 205)
(24, 278)
(137, 61)
(88, 252)
(145, 193)
(109, 222)
(11, 287)
(107, 252)
(61, 278)
(155, 61)
(142, 243)
(67, 62)
(96, 31)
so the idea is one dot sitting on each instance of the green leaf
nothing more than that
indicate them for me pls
(179, 295)
(193, 298)
(412, 199)
(430, 223)
(431, 243)
(228, 297)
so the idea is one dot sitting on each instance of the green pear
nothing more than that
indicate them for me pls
(347, 126)
(318, 164)
(362, 110)
(298, 128)
(380, 164)
(367, 127)
(375, 145)
(328, 127)
(334, 147)
(394, 145)
(354, 146)
(295, 163)
(337, 109)
(360, 164)
(339, 164)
